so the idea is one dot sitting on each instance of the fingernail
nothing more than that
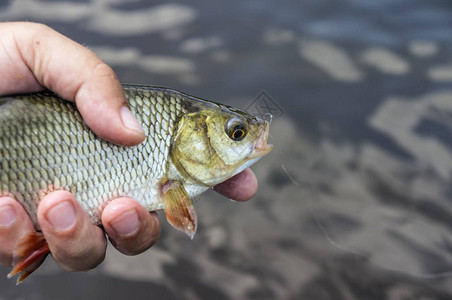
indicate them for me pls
(62, 216)
(129, 120)
(126, 224)
(7, 215)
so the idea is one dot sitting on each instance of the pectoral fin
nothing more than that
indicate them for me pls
(179, 209)
(29, 255)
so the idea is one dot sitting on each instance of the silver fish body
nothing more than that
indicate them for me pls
(45, 146)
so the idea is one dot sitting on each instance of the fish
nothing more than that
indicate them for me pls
(191, 145)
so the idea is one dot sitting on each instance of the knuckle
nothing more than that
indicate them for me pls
(133, 248)
(38, 29)
(102, 70)
(40, 26)
(6, 249)
(81, 258)
(81, 252)
(139, 243)
(6, 258)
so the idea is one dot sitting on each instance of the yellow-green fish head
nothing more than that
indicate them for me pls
(216, 142)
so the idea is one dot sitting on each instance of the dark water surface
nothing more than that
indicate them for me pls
(355, 202)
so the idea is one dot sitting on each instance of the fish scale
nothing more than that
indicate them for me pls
(45, 145)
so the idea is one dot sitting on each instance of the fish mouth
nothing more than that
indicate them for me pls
(261, 147)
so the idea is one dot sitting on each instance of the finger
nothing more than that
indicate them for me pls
(130, 227)
(14, 224)
(75, 242)
(41, 57)
(241, 187)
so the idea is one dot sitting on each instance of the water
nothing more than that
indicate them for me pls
(355, 200)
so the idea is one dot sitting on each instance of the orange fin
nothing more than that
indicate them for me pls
(179, 209)
(29, 255)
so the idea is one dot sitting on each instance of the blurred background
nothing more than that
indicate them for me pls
(355, 201)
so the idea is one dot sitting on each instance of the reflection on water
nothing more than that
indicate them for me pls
(354, 201)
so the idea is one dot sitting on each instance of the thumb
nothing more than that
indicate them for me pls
(73, 72)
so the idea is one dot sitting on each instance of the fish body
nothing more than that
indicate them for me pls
(45, 145)
(190, 146)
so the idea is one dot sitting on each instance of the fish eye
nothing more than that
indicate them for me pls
(236, 129)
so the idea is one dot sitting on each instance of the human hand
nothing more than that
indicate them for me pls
(34, 57)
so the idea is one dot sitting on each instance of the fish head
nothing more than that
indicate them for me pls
(216, 142)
